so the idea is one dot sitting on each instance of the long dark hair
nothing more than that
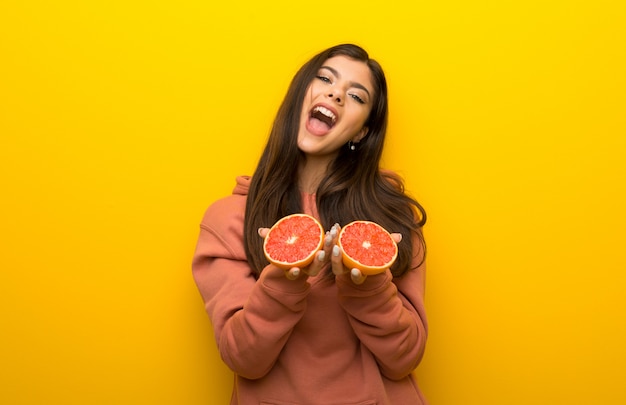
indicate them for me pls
(354, 188)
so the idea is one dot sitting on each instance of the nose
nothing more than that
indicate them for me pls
(335, 95)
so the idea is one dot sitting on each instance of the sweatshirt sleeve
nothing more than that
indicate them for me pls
(388, 316)
(252, 320)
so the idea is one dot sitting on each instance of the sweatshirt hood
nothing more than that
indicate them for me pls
(243, 185)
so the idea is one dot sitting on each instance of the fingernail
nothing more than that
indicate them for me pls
(400, 237)
(336, 251)
(333, 230)
(328, 239)
(321, 256)
(259, 232)
(355, 273)
(295, 272)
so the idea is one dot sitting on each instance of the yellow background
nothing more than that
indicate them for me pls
(121, 121)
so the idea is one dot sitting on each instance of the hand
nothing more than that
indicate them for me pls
(339, 268)
(320, 259)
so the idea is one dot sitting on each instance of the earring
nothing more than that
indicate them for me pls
(351, 145)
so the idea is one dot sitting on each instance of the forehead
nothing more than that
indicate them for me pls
(351, 70)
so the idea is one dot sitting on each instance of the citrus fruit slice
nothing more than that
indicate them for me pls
(293, 241)
(367, 246)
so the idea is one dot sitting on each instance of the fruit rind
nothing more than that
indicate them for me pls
(301, 263)
(352, 263)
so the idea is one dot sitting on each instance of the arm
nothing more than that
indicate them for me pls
(388, 317)
(252, 319)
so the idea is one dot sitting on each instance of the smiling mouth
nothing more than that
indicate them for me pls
(324, 115)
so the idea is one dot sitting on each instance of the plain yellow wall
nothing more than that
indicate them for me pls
(121, 121)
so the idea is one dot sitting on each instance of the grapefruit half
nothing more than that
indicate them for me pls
(293, 241)
(367, 246)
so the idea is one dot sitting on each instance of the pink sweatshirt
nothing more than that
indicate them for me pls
(316, 340)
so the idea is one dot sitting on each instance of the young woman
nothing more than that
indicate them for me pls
(324, 334)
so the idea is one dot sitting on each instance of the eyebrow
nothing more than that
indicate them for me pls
(352, 84)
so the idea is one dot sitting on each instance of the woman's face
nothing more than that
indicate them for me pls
(336, 106)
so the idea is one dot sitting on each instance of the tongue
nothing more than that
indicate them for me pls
(318, 126)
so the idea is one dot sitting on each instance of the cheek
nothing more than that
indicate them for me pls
(308, 96)
(313, 90)
(365, 116)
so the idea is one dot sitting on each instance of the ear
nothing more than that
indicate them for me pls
(360, 135)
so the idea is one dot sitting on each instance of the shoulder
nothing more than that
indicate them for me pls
(225, 216)
(231, 203)
(230, 207)
(224, 210)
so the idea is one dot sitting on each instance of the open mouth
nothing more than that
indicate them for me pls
(323, 117)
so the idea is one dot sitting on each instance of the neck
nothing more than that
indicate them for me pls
(311, 172)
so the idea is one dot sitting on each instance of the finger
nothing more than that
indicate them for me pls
(331, 236)
(336, 261)
(263, 232)
(293, 273)
(328, 240)
(357, 277)
(317, 265)
(334, 232)
(396, 237)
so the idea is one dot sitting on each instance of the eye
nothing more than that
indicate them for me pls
(357, 98)
(323, 78)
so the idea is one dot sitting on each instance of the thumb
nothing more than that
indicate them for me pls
(357, 277)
